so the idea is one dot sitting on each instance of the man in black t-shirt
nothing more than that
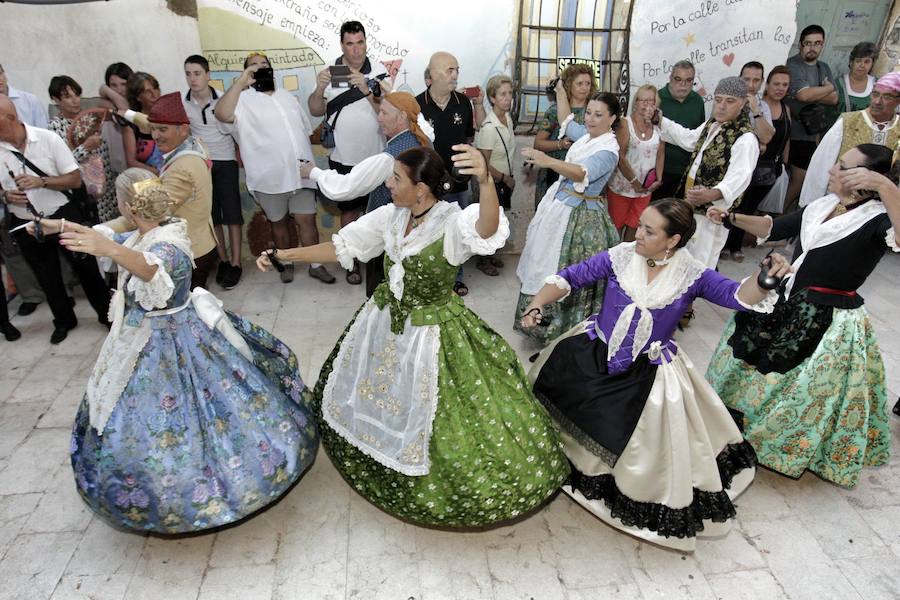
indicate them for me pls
(453, 118)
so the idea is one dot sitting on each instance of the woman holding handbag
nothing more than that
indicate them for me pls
(497, 143)
(81, 131)
(641, 158)
(771, 161)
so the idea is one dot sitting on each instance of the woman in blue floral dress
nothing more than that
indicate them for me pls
(193, 418)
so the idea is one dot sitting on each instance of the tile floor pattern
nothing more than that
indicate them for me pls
(793, 539)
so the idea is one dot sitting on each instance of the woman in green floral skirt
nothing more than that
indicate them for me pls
(424, 409)
(572, 223)
(809, 378)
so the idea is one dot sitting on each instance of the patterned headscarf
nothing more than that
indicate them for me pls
(890, 81)
(732, 86)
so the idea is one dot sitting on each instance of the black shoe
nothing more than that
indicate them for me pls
(9, 332)
(222, 272)
(232, 278)
(60, 333)
(26, 308)
(896, 406)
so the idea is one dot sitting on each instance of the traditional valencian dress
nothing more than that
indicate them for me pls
(425, 410)
(570, 225)
(654, 451)
(809, 377)
(193, 417)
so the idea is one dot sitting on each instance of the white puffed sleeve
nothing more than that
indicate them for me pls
(363, 239)
(766, 305)
(462, 241)
(890, 238)
(153, 294)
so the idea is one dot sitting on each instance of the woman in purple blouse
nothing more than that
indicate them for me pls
(654, 451)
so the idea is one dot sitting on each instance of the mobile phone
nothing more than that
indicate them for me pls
(472, 92)
(264, 80)
(340, 75)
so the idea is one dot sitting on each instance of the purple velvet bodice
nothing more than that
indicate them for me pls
(710, 285)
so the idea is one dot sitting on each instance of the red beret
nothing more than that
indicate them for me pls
(169, 110)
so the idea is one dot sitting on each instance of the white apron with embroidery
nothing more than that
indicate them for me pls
(382, 393)
(543, 241)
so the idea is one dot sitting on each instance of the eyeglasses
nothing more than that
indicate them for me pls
(678, 79)
(812, 44)
(880, 96)
(646, 101)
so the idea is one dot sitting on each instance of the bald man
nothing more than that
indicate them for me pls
(452, 116)
(43, 168)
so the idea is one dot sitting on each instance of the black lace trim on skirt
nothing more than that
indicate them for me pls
(564, 423)
(659, 518)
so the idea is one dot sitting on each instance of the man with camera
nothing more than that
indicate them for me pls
(273, 134)
(812, 89)
(38, 174)
(348, 94)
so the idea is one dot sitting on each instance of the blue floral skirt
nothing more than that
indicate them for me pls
(200, 436)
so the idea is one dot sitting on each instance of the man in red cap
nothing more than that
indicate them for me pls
(185, 175)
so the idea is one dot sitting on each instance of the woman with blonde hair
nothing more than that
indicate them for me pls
(193, 418)
(577, 84)
(641, 157)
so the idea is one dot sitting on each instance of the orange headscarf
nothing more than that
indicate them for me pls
(409, 105)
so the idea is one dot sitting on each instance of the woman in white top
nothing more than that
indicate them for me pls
(497, 143)
(641, 158)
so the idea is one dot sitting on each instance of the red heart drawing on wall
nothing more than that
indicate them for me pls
(728, 59)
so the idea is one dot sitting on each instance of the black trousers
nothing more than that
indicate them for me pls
(43, 258)
(203, 266)
(749, 202)
(4, 313)
(668, 187)
(374, 274)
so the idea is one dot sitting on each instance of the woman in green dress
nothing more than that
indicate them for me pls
(423, 408)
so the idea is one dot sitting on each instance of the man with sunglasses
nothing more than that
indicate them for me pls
(877, 124)
(682, 105)
(36, 169)
(812, 89)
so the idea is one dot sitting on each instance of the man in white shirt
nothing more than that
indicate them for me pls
(199, 103)
(37, 167)
(352, 112)
(759, 112)
(31, 112)
(725, 151)
(273, 133)
(401, 121)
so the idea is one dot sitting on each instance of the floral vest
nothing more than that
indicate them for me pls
(717, 156)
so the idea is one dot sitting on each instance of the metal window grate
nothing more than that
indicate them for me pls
(550, 29)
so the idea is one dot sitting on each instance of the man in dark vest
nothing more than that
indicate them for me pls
(402, 124)
(724, 153)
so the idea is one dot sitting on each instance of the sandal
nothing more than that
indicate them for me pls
(685, 320)
(485, 266)
(353, 275)
(460, 288)
(496, 262)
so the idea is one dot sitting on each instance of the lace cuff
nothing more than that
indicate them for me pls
(153, 294)
(763, 240)
(345, 254)
(766, 305)
(105, 263)
(467, 242)
(890, 238)
(560, 283)
(564, 125)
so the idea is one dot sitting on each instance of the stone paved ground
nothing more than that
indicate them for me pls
(794, 539)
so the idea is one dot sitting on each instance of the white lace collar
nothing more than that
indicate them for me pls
(669, 285)
(399, 246)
